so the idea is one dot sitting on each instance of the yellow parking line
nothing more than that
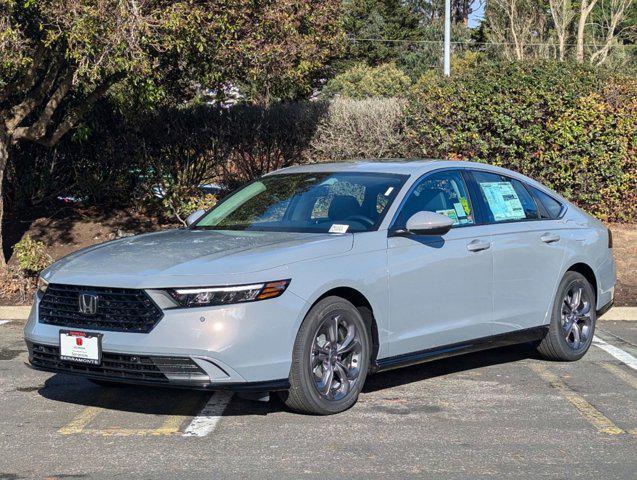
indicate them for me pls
(621, 374)
(86, 416)
(80, 422)
(171, 425)
(589, 412)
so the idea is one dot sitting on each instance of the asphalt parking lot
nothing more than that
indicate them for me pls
(503, 413)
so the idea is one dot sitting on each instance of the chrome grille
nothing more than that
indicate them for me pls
(118, 309)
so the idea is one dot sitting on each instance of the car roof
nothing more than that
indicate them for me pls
(395, 166)
(413, 167)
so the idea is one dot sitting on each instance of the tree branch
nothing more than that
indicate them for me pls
(38, 129)
(33, 100)
(37, 132)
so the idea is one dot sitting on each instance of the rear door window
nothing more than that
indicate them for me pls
(505, 199)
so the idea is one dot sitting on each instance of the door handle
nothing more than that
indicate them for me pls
(477, 246)
(550, 237)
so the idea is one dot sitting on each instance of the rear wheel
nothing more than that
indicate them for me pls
(330, 359)
(572, 322)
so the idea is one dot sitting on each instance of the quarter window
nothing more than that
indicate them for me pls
(553, 207)
(444, 193)
(506, 199)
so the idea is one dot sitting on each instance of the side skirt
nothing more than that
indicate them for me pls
(484, 343)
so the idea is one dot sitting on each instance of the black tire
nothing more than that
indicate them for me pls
(559, 344)
(303, 395)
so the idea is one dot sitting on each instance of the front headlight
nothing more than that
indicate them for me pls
(210, 296)
(42, 285)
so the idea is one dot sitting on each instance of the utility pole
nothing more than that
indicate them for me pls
(447, 52)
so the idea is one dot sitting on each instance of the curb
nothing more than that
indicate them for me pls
(621, 313)
(15, 312)
(615, 313)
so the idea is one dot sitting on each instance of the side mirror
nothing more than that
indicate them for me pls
(194, 216)
(429, 223)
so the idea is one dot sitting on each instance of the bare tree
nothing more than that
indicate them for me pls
(519, 26)
(612, 15)
(562, 13)
(586, 7)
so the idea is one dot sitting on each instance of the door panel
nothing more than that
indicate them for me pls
(440, 286)
(527, 252)
(440, 291)
(525, 271)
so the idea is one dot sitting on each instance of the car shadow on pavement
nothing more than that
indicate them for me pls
(144, 400)
(170, 401)
(438, 368)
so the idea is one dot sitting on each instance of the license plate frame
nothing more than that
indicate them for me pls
(81, 347)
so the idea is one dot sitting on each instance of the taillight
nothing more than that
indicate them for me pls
(610, 238)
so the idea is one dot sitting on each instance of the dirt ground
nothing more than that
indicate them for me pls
(625, 252)
(73, 229)
(65, 231)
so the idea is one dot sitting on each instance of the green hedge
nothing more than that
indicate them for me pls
(569, 127)
(572, 128)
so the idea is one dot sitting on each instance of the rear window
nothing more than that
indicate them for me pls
(552, 207)
(506, 199)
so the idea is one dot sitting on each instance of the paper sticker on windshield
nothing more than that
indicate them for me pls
(338, 228)
(503, 201)
(388, 192)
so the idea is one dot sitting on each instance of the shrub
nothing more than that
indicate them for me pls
(361, 82)
(262, 139)
(371, 128)
(570, 127)
(180, 206)
(15, 286)
(32, 255)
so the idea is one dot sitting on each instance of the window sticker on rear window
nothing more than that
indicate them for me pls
(503, 201)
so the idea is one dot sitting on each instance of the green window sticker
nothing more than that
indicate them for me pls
(451, 213)
(503, 201)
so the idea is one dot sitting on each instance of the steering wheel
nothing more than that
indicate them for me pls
(361, 219)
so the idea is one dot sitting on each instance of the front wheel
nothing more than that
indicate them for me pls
(572, 322)
(330, 359)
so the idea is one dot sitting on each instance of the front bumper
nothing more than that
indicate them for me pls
(240, 347)
(177, 372)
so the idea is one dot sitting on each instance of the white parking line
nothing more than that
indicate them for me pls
(616, 352)
(206, 420)
(2, 322)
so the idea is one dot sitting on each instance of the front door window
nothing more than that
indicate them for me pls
(444, 193)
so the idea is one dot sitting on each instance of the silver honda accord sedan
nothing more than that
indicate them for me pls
(311, 278)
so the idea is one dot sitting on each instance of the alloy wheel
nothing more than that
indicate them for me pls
(576, 316)
(335, 357)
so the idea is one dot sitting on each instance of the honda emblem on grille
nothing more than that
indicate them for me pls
(88, 303)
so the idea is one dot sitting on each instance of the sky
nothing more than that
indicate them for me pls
(477, 15)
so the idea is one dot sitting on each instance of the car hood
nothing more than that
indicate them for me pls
(155, 259)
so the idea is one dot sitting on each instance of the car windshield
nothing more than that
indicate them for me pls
(307, 202)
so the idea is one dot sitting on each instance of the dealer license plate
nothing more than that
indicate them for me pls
(81, 347)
